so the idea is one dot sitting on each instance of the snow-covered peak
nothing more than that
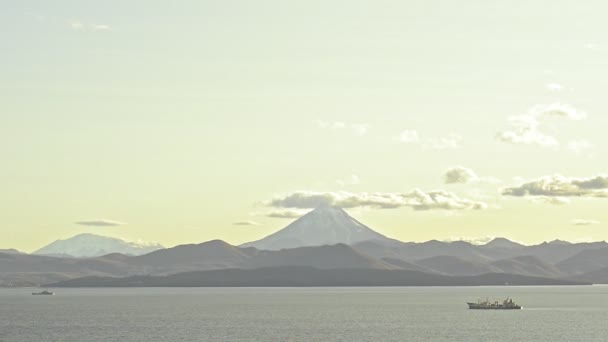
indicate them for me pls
(503, 243)
(91, 245)
(325, 225)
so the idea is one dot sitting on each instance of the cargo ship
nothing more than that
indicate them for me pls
(43, 293)
(506, 304)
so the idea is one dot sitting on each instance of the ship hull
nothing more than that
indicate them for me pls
(475, 306)
(43, 293)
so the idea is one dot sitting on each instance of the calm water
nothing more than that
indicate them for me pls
(306, 314)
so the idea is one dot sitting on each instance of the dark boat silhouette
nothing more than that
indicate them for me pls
(506, 304)
(43, 293)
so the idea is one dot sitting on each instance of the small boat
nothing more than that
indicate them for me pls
(506, 304)
(43, 293)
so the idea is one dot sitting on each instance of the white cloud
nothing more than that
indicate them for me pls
(99, 27)
(459, 174)
(351, 180)
(246, 223)
(525, 128)
(82, 26)
(584, 222)
(560, 186)
(482, 240)
(518, 179)
(286, 213)
(462, 175)
(558, 110)
(554, 86)
(452, 141)
(579, 146)
(76, 25)
(329, 125)
(100, 223)
(416, 199)
(359, 129)
(592, 46)
(550, 200)
(410, 136)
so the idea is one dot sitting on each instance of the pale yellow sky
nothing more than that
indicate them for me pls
(182, 120)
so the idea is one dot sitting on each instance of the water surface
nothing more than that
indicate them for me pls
(576, 313)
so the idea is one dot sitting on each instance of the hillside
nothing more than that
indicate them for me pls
(306, 276)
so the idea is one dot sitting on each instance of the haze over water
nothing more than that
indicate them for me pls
(574, 313)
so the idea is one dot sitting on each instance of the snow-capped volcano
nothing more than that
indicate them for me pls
(91, 245)
(326, 225)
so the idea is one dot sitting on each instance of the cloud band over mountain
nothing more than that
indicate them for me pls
(286, 213)
(416, 199)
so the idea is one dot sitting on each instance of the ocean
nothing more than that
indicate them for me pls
(561, 313)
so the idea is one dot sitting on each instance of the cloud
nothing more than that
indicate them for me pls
(416, 199)
(459, 174)
(550, 200)
(410, 136)
(482, 240)
(560, 186)
(584, 222)
(100, 223)
(359, 129)
(329, 125)
(76, 25)
(579, 146)
(246, 223)
(592, 46)
(554, 86)
(352, 180)
(525, 128)
(518, 179)
(452, 141)
(82, 26)
(286, 213)
(462, 175)
(558, 110)
(99, 27)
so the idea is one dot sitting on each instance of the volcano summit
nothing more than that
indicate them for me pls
(325, 225)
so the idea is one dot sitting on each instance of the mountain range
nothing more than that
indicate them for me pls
(90, 245)
(323, 242)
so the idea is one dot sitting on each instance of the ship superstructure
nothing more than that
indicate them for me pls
(486, 304)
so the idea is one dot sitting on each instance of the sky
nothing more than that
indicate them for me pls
(185, 122)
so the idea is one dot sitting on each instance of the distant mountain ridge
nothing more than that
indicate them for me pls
(310, 276)
(10, 251)
(326, 238)
(28, 270)
(91, 245)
